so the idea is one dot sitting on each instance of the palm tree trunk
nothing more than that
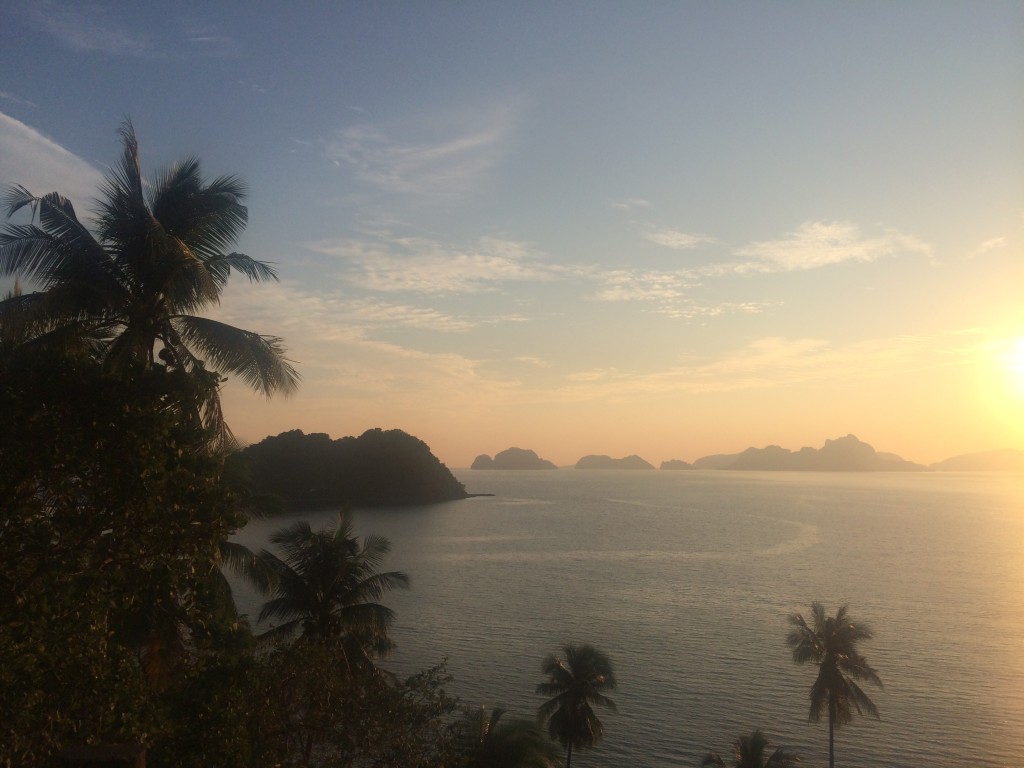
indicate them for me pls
(831, 733)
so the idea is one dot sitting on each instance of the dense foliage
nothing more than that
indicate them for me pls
(378, 468)
(113, 510)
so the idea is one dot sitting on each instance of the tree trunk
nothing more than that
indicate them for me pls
(831, 734)
(568, 756)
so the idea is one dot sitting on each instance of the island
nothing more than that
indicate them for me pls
(378, 468)
(512, 458)
(844, 454)
(676, 464)
(986, 461)
(606, 462)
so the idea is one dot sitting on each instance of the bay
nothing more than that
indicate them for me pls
(685, 579)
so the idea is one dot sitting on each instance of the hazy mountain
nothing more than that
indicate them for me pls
(512, 458)
(844, 454)
(987, 461)
(676, 464)
(378, 468)
(606, 462)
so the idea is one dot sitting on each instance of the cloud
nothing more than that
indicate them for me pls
(818, 244)
(421, 265)
(993, 244)
(626, 285)
(30, 159)
(668, 292)
(89, 27)
(688, 310)
(444, 155)
(630, 204)
(772, 362)
(677, 240)
(327, 315)
(251, 86)
(533, 362)
(5, 96)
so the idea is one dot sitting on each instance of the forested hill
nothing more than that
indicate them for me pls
(378, 468)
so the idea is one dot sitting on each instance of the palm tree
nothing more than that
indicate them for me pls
(327, 585)
(492, 742)
(750, 752)
(831, 643)
(575, 686)
(130, 293)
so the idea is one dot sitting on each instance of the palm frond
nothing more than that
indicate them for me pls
(220, 267)
(26, 250)
(208, 218)
(15, 197)
(246, 564)
(258, 360)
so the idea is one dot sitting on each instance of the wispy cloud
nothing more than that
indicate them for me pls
(251, 86)
(421, 265)
(442, 155)
(29, 158)
(94, 27)
(818, 244)
(630, 285)
(690, 309)
(630, 204)
(533, 362)
(993, 244)
(208, 42)
(327, 315)
(90, 27)
(771, 362)
(5, 96)
(668, 292)
(680, 241)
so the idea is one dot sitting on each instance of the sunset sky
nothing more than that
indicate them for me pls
(659, 228)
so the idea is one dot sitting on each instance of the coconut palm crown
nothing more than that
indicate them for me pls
(130, 293)
(489, 740)
(576, 684)
(751, 751)
(327, 585)
(831, 643)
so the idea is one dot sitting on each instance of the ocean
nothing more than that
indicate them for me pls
(685, 580)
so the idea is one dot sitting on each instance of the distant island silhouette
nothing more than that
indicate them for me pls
(378, 468)
(844, 454)
(675, 464)
(512, 458)
(606, 462)
(986, 461)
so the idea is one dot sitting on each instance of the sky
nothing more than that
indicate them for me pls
(669, 229)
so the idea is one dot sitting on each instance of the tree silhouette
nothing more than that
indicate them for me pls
(831, 643)
(489, 740)
(575, 685)
(328, 584)
(752, 752)
(130, 293)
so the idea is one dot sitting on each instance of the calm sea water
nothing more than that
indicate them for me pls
(685, 580)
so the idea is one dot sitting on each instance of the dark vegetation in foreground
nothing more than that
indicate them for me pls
(117, 624)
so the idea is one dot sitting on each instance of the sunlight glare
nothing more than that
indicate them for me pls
(1014, 362)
